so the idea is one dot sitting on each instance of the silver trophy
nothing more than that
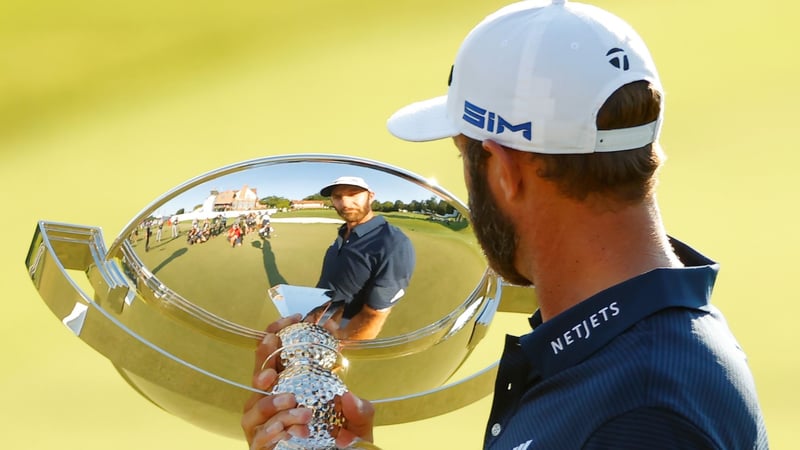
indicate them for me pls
(310, 356)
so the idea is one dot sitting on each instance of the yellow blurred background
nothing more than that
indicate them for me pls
(106, 105)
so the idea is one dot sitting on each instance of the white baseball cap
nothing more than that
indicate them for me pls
(532, 76)
(350, 181)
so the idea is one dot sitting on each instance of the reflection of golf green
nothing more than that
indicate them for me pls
(232, 282)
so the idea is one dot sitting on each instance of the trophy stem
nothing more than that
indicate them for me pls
(309, 354)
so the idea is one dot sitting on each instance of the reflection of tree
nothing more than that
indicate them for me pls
(274, 201)
(432, 205)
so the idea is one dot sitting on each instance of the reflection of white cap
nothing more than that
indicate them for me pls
(350, 181)
(532, 76)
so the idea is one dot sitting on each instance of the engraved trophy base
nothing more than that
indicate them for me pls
(310, 356)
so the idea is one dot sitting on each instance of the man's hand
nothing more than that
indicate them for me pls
(359, 415)
(268, 419)
(315, 314)
(332, 310)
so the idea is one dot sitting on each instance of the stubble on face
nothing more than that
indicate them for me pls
(494, 230)
(351, 203)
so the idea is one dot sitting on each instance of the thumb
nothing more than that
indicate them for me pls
(359, 415)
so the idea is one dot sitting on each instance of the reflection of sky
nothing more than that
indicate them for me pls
(296, 181)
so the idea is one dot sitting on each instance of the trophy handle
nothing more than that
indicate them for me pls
(172, 382)
(57, 248)
(167, 376)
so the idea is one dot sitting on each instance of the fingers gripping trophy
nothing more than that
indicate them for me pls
(310, 357)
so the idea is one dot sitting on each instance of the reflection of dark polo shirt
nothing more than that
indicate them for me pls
(648, 363)
(372, 267)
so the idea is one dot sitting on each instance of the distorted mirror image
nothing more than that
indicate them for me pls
(375, 242)
(183, 296)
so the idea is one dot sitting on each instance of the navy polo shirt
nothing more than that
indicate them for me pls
(648, 363)
(372, 266)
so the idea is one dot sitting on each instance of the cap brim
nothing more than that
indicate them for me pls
(328, 190)
(422, 121)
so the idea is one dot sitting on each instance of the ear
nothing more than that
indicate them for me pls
(503, 171)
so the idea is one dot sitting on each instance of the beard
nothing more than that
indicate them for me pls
(354, 213)
(495, 232)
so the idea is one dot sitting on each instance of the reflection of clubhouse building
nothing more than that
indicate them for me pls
(232, 203)
(245, 199)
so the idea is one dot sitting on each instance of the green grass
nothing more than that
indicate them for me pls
(232, 281)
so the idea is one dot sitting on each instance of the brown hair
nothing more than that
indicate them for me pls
(623, 176)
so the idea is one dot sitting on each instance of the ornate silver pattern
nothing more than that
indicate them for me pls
(309, 354)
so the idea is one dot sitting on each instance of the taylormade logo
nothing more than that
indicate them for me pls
(493, 122)
(618, 58)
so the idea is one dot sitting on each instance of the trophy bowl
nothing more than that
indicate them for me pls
(179, 317)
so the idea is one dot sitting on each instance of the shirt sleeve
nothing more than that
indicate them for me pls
(391, 281)
(651, 428)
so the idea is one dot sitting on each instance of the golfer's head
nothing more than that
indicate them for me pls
(351, 197)
(533, 77)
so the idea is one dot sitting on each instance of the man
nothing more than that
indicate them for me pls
(148, 232)
(556, 110)
(174, 225)
(265, 229)
(368, 266)
(160, 225)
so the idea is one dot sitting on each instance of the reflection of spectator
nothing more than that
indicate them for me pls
(250, 223)
(173, 222)
(235, 235)
(159, 229)
(367, 267)
(148, 233)
(266, 228)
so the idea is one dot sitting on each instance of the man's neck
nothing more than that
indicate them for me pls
(585, 252)
(352, 225)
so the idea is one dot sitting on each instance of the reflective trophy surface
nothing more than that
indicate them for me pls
(310, 357)
(179, 319)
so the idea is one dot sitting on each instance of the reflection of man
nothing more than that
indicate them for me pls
(555, 110)
(265, 225)
(160, 228)
(367, 267)
(174, 225)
